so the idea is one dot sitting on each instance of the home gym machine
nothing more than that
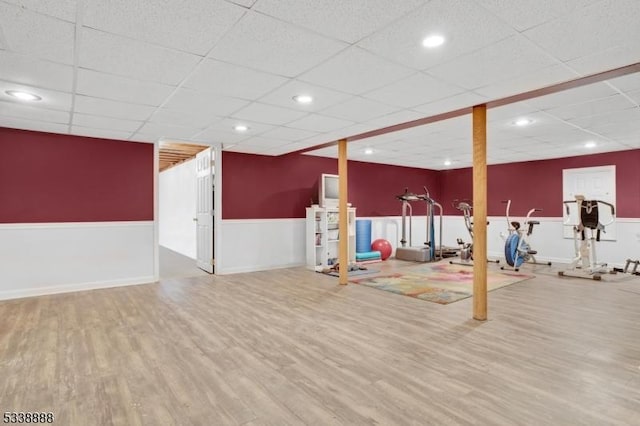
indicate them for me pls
(517, 249)
(427, 252)
(585, 235)
(466, 249)
(628, 269)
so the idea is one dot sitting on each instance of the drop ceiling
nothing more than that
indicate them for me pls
(145, 70)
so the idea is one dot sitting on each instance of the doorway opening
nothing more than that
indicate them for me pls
(186, 177)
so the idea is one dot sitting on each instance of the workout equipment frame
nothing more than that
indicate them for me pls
(586, 233)
(466, 249)
(427, 252)
(517, 249)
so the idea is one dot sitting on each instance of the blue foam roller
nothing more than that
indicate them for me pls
(368, 255)
(363, 235)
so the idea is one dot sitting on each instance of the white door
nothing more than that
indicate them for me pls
(204, 209)
(595, 183)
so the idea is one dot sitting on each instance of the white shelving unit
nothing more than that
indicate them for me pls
(323, 236)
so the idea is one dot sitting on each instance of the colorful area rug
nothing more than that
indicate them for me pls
(440, 282)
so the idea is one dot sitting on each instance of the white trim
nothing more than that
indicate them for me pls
(236, 221)
(49, 225)
(42, 291)
(156, 209)
(217, 206)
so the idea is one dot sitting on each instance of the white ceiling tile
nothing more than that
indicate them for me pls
(161, 130)
(101, 85)
(619, 55)
(359, 109)
(527, 81)
(245, 3)
(199, 118)
(590, 29)
(51, 99)
(414, 90)
(115, 109)
(465, 25)
(222, 137)
(319, 123)
(572, 96)
(595, 107)
(114, 54)
(264, 142)
(34, 72)
(523, 15)
(216, 105)
(100, 133)
(30, 124)
(62, 9)
(345, 20)
(266, 44)
(503, 60)
(269, 114)
(141, 137)
(285, 149)
(247, 149)
(288, 134)
(351, 71)
(621, 116)
(392, 119)
(192, 26)
(232, 80)
(227, 126)
(34, 34)
(27, 112)
(628, 83)
(635, 96)
(510, 113)
(322, 97)
(107, 123)
(463, 100)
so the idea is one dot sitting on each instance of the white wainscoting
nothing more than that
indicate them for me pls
(260, 244)
(547, 238)
(48, 258)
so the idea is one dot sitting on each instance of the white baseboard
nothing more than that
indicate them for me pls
(69, 288)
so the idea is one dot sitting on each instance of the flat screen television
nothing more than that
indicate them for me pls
(329, 193)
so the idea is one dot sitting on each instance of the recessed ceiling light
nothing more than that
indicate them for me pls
(240, 128)
(521, 122)
(368, 151)
(303, 99)
(23, 96)
(447, 162)
(433, 41)
(590, 144)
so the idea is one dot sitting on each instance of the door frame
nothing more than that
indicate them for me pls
(217, 205)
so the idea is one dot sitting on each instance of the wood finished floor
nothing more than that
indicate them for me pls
(293, 347)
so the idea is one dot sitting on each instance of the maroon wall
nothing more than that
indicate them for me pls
(258, 186)
(539, 184)
(48, 177)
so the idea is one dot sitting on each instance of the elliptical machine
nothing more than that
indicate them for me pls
(585, 235)
(427, 252)
(466, 249)
(517, 249)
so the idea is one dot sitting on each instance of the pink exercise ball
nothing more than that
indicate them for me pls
(383, 246)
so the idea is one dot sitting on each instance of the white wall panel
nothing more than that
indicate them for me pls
(177, 208)
(37, 259)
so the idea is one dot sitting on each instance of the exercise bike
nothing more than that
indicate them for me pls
(466, 249)
(517, 249)
(585, 235)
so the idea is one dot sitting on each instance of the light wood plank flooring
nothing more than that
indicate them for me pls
(293, 347)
